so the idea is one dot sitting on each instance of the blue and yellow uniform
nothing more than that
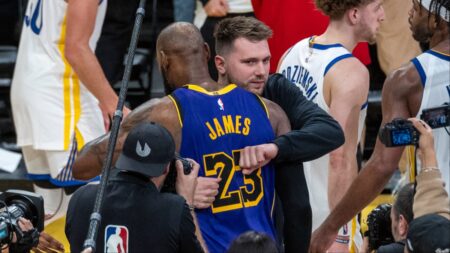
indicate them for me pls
(215, 127)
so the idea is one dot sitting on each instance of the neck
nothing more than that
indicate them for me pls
(339, 32)
(197, 75)
(440, 41)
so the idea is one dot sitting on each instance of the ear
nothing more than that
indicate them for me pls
(220, 64)
(207, 51)
(354, 15)
(162, 59)
(402, 225)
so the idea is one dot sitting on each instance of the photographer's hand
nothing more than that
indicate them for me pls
(24, 225)
(185, 185)
(48, 244)
(426, 150)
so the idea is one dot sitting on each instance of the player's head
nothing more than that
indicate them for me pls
(402, 212)
(253, 242)
(427, 17)
(243, 55)
(364, 16)
(180, 49)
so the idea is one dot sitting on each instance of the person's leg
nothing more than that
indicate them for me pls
(293, 191)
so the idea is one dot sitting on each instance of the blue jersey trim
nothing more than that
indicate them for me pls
(423, 76)
(364, 106)
(334, 61)
(439, 55)
(325, 47)
(47, 177)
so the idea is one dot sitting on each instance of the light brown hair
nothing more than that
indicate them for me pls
(229, 29)
(335, 9)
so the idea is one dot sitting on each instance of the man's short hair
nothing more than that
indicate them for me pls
(335, 9)
(230, 29)
(403, 203)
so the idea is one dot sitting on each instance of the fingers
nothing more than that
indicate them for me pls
(49, 244)
(25, 224)
(206, 192)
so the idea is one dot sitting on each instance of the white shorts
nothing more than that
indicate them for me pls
(52, 166)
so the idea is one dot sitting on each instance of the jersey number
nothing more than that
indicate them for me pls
(224, 166)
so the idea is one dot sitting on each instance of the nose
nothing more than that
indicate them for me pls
(260, 68)
(382, 14)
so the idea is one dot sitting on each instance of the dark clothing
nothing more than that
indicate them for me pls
(396, 247)
(314, 133)
(154, 221)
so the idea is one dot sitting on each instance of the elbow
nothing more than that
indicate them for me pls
(79, 172)
(72, 52)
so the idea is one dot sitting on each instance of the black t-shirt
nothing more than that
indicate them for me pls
(314, 132)
(136, 217)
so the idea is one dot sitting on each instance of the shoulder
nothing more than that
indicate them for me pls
(350, 78)
(403, 81)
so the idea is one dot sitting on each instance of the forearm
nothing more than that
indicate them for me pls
(314, 139)
(364, 189)
(342, 171)
(198, 233)
(431, 196)
(89, 71)
(314, 132)
(89, 161)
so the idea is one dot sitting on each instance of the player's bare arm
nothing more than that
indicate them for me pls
(81, 15)
(90, 160)
(345, 95)
(401, 99)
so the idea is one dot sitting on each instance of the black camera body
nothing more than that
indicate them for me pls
(437, 117)
(19, 204)
(171, 179)
(379, 226)
(401, 132)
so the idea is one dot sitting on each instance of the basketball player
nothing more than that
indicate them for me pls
(59, 92)
(420, 84)
(210, 123)
(329, 75)
(243, 58)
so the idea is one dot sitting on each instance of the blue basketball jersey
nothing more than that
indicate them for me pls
(215, 127)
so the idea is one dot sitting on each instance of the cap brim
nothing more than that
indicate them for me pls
(150, 170)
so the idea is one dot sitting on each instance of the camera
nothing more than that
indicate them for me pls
(437, 117)
(379, 227)
(401, 132)
(19, 204)
(171, 179)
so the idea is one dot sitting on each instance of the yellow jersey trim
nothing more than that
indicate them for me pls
(66, 85)
(264, 105)
(222, 91)
(178, 109)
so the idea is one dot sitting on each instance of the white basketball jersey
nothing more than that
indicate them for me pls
(49, 103)
(434, 71)
(306, 65)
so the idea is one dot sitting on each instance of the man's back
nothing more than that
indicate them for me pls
(215, 127)
(135, 211)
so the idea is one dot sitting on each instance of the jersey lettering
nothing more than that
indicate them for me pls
(225, 167)
(302, 78)
(36, 16)
(228, 125)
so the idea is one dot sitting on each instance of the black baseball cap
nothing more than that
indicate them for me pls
(429, 233)
(147, 150)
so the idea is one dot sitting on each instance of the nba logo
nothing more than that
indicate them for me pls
(116, 239)
(220, 103)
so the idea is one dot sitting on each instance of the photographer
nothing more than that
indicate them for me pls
(430, 229)
(388, 226)
(431, 196)
(136, 217)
